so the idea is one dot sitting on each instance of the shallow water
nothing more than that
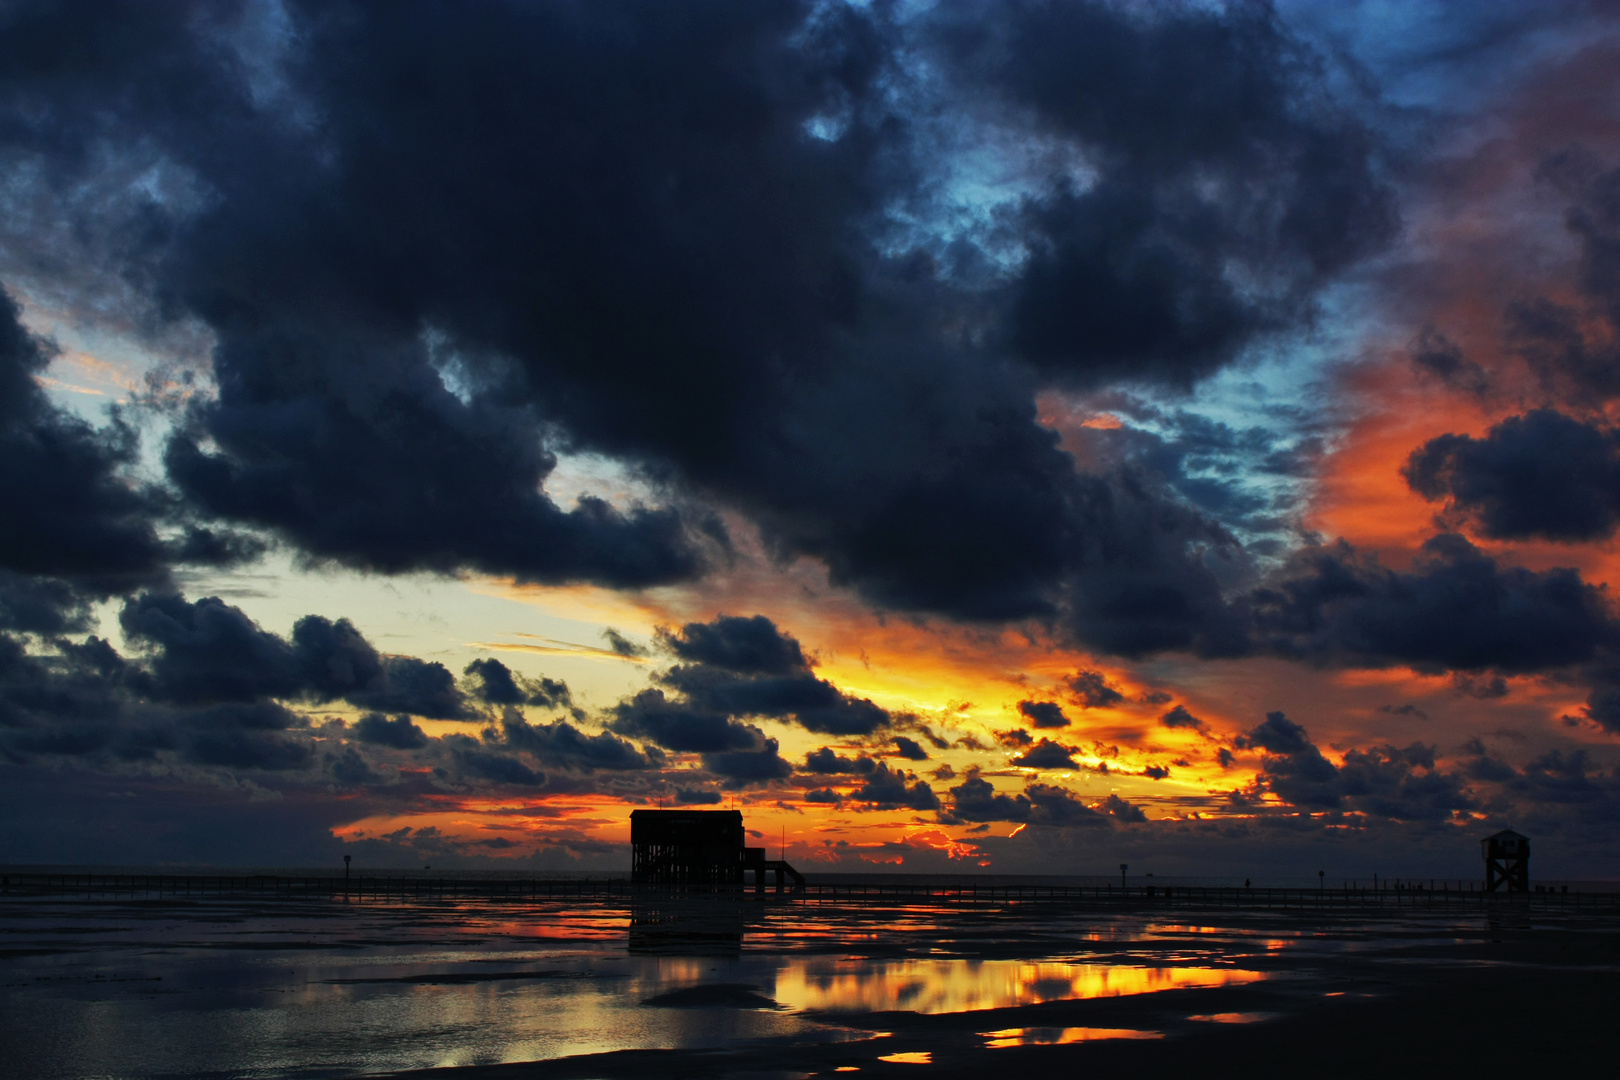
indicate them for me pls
(253, 989)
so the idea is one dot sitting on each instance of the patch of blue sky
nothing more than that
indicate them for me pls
(827, 127)
(985, 159)
(1275, 411)
(450, 364)
(1245, 478)
(986, 166)
(93, 366)
(98, 368)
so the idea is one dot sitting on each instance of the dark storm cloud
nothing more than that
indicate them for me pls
(335, 658)
(1540, 475)
(704, 719)
(1603, 704)
(208, 695)
(813, 703)
(1386, 781)
(1093, 690)
(1457, 608)
(674, 726)
(200, 546)
(497, 768)
(561, 745)
(244, 736)
(332, 427)
(1575, 348)
(290, 466)
(622, 645)
(887, 790)
(1120, 810)
(1043, 714)
(211, 651)
(70, 515)
(40, 605)
(1293, 767)
(910, 749)
(1482, 766)
(1046, 754)
(493, 683)
(1014, 737)
(84, 703)
(398, 733)
(352, 770)
(1439, 357)
(1278, 735)
(420, 687)
(743, 646)
(1567, 778)
(682, 247)
(824, 762)
(744, 768)
(739, 667)
(206, 700)
(1039, 804)
(1179, 717)
(1209, 150)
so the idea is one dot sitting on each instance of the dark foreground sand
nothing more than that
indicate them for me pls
(1532, 1003)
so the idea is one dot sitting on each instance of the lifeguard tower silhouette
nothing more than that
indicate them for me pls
(1507, 861)
(700, 850)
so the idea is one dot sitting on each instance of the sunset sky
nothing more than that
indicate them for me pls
(1006, 436)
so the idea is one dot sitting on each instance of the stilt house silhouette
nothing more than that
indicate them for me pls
(700, 850)
(1507, 861)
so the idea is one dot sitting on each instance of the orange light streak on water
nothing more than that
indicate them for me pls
(946, 986)
(1043, 1036)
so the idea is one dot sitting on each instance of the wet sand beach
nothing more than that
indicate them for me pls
(1544, 1012)
(1524, 999)
(239, 987)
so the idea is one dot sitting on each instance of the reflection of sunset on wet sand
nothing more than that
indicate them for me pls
(1045, 1036)
(949, 986)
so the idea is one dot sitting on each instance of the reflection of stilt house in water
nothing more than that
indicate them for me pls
(699, 849)
(1507, 861)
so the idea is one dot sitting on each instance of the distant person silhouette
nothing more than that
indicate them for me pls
(1245, 883)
